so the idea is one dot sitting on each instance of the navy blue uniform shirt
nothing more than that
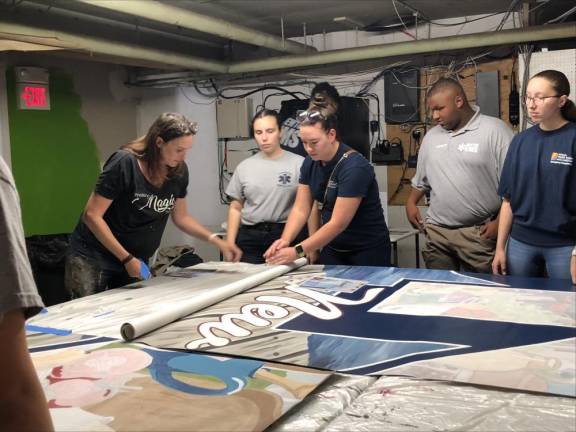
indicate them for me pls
(354, 177)
(540, 181)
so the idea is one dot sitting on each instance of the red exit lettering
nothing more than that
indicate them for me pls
(34, 96)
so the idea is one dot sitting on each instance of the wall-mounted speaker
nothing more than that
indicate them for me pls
(401, 101)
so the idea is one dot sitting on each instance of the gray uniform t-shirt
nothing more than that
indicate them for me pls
(461, 170)
(17, 287)
(267, 187)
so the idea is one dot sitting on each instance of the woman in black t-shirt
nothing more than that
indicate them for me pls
(124, 218)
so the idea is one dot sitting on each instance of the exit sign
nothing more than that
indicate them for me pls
(33, 96)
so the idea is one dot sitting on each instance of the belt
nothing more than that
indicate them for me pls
(264, 226)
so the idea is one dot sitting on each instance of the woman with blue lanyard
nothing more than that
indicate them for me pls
(122, 224)
(537, 228)
(342, 184)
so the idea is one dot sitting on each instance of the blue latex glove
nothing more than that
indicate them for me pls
(144, 271)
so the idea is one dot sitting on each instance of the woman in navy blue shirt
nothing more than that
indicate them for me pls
(342, 183)
(537, 228)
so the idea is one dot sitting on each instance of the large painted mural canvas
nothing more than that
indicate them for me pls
(423, 324)
(419, 323)
(93, 384)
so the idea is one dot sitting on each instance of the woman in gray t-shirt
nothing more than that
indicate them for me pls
(262, 191)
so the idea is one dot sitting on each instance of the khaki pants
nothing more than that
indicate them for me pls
(460, 249)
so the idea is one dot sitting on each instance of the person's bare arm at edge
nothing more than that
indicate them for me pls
(23, 405)
(234, 220)
(504, 225)
(93, 217)
(313, 226)
(344, 210)
(185, 222)
(412, 211)
(296, 219)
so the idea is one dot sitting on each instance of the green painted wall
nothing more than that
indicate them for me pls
(54, 159)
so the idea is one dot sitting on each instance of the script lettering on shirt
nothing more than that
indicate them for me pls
(260, 314)
(153, 202)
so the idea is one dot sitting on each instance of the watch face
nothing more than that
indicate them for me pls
(300, 250)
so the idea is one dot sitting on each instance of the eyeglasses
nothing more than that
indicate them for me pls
(309, 115)
(538, 100)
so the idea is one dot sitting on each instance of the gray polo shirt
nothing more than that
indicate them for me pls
(17, 287)
(461, 170)
(266, 186)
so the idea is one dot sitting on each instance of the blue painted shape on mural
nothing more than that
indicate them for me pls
(390, 276)
(332, 339)
(234, 373)
(84, 340)
(47, 330)
(343, 354)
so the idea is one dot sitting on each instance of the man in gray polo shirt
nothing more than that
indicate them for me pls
(459, 165)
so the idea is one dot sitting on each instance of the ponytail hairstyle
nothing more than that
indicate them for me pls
(561, 85)
(167, 126)
(323, 108)
(265, 113)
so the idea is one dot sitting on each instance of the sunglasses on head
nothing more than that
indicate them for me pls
(309, 115)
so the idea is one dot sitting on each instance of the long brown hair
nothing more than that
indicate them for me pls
(561, 86)
(167, 126)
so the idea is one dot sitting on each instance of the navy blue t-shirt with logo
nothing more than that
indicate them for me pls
(354, 177)
(137, 215)
(539, 179)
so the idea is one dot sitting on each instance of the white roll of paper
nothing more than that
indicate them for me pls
(173, 312)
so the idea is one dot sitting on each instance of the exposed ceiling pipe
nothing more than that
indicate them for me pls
(167, 14)
(24, 33)
(59, 10)
(476, 40)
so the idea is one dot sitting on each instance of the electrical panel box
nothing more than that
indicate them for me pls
(233, 118)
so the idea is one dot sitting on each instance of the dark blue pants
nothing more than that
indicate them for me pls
(377, 256)
(255, 240)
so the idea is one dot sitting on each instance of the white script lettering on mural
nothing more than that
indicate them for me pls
(260, 314)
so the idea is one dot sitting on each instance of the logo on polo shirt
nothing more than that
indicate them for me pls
(468, 147)
(284, 179)
(560, 159)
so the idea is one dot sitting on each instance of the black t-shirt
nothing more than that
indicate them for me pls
(138, 213)
(354, 177)
(539, 179)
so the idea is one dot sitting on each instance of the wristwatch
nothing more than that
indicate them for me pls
(300, 250)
